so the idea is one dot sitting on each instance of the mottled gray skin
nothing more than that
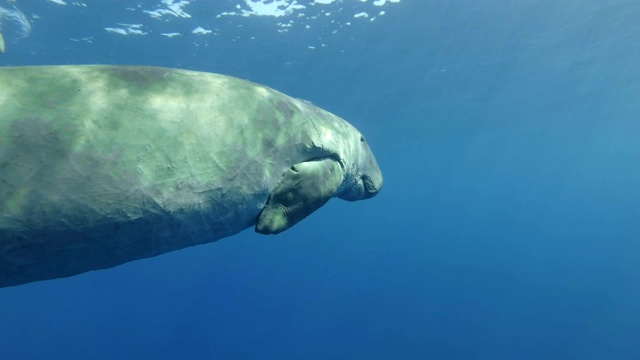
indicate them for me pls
(101, 165)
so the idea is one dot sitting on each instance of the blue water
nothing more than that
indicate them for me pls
(508, 227)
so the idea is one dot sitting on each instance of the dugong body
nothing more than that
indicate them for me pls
(101, 165)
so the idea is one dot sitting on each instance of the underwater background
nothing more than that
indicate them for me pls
(508, 133)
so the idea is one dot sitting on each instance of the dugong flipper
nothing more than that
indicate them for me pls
(302, 190)
(101, 165)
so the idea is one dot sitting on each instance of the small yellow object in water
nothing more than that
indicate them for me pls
(1, 44)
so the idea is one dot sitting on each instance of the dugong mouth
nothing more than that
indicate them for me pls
(370, 190)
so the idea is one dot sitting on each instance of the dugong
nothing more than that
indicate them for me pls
(101, 165)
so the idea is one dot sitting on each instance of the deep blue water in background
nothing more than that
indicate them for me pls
(508, 228)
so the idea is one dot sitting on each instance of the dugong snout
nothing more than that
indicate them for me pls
(370, 187)
(366, 175)
(371, 174)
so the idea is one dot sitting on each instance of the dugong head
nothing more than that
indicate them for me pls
(337, 162)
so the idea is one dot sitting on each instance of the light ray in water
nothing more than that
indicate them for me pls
(13, 24)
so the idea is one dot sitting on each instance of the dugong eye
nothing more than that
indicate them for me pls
(361, 138)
